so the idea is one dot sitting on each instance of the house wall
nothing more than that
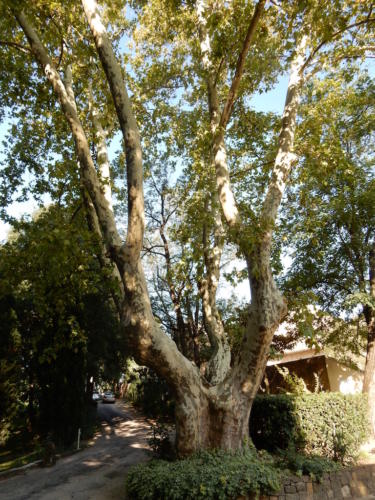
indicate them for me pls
(342, 378)
(303, 368)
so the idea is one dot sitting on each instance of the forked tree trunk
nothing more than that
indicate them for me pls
(207, 416)
(208, 421)
(211, 414)
(218, 416)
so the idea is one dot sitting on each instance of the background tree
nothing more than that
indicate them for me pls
(330, 210)
(61, 329)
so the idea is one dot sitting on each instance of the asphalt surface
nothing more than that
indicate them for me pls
(94, 473)
(112, 413)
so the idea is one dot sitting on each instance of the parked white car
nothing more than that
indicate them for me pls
(96, 397)
(109, 397)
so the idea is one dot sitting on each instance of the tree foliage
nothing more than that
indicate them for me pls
(59, 327)
(329, 216)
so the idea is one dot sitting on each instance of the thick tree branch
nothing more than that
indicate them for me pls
(104, 261)
(129, 128)
(285, 157)
(219, 363)
(218, 151)
(267, 304)
(102, 150)
(89, 175)
(92, 217)
(151, 346)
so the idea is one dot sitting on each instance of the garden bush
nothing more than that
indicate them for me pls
(205, 475)
(148, 392)
(331, 425)
(306, 465)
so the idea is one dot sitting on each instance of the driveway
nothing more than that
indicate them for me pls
(95, 473)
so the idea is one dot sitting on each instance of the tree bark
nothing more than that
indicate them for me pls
(89, 175)
(268, 307)
(102, 150)
(130, 132)
(150, 345)
(369, 374)
(219, 362)
(211, 419)
(91, 215)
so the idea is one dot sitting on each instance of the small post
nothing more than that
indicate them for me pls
(79, 438)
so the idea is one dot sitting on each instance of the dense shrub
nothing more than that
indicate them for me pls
(149, 392)
(206, 475)
(307, 465)
(160, 441)
(332, 425)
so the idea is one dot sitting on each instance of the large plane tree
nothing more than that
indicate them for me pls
(216, 55)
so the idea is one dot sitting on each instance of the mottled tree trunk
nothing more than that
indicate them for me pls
(209, 419)
(217, 416)
(369, 374)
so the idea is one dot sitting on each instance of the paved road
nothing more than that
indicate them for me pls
(95, 473)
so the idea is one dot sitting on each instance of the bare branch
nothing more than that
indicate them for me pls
(17, 46)
(221, 64)
(330, 38)
(129, 128)
(61, 53)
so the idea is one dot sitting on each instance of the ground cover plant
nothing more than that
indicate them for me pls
(308, 434)
(221, 474)
(205, 475)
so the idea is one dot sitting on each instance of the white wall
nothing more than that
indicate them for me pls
(342, 378)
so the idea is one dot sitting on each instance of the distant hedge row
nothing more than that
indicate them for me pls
(332, 425)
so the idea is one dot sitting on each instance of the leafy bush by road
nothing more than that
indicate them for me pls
(331, 425)
(206, 475)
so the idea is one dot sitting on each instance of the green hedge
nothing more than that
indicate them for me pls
(206, 475)
(332, 425)
(149, 392)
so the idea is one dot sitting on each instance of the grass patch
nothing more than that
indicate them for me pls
(10, 459)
